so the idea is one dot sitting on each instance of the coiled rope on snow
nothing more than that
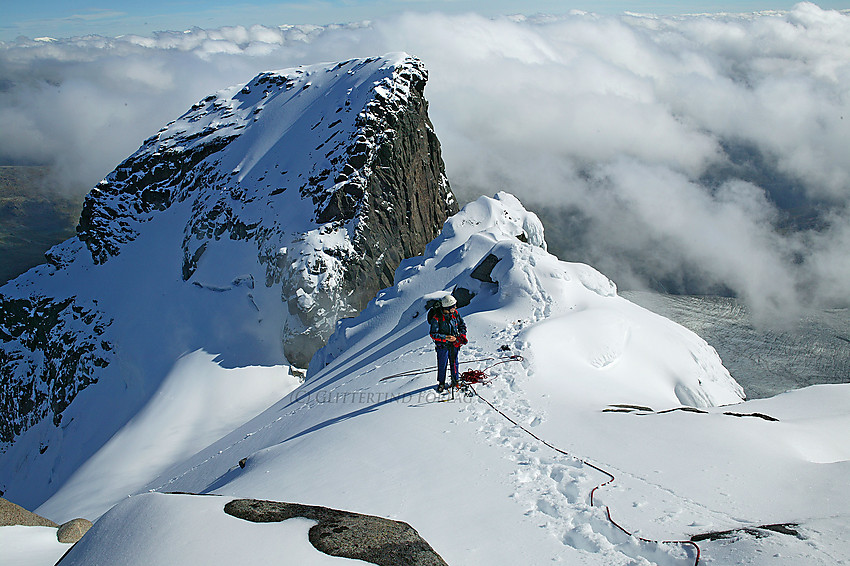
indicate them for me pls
(412, 372)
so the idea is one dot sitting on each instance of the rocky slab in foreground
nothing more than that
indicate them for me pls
(345, 534)
(73, 530)
(13, 514)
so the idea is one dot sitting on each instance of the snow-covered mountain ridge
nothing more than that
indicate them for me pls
(598, 380)
(244, 229)
(197, 397)
(572, 301)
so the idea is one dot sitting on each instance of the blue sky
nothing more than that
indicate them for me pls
(62, 18)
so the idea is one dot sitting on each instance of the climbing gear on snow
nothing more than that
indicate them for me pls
(474, 376)
(429, 369)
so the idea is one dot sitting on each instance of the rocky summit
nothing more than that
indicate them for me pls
(246, 228)
(334, 171)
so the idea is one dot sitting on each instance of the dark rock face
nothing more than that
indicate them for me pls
(51, 350)
(391, 192)
(345, 534)
(483, 270)
(408, 195)
(140, 186)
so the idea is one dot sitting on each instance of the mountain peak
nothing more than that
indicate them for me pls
(309, 128)
(245, 228)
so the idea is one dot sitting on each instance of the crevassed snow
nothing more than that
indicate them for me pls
(601, 379)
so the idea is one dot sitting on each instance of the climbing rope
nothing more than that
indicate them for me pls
(473, 377)
(420, 371)
(611, 477)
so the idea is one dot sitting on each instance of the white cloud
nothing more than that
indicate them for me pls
(673, 143)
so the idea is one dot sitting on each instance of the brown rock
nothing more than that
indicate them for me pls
(349, 535)
(73, 530)
(12, 514)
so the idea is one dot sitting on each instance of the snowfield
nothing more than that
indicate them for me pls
(612, 389)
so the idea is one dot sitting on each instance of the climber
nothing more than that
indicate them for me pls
(449, 333)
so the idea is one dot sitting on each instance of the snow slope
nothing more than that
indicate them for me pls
(601, 380)
(198, 402)
(234, 233)
(25, 546)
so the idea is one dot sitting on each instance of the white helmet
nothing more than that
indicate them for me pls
(448, 301)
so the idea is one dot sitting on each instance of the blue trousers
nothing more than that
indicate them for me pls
(444, 355)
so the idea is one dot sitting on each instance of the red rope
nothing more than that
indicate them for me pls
(476, 377)
(412, 372)
(598, 469)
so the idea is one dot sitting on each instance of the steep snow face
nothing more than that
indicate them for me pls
(198, 403)
(244, 229)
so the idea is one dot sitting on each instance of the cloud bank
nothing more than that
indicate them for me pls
(696, 154)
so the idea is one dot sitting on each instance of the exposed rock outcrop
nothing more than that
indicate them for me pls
(73, 530)
(345, 534)
(52, 348)
(13, 514)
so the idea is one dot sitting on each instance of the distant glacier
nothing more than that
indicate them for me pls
(765, 361)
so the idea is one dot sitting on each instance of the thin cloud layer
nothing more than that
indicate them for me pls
(696, 154)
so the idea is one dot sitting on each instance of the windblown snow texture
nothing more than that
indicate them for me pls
(246, 228)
